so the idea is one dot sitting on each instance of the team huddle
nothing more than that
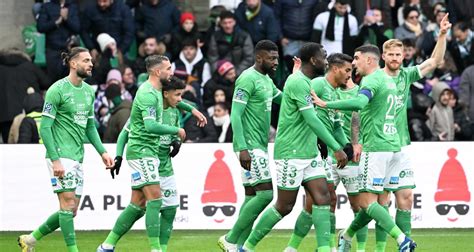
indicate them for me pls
(330, 130)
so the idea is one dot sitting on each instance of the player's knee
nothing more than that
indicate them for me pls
(284, 208)
(265, 196)
(405, 199)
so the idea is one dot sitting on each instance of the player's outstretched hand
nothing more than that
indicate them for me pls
(176, 146)
(357, 152)
(58, 169)
(444, 25)
(201, 119)
(108, 160)
(341, 158)
(245, 159)
(349, 150)
(317, 100)
(182, 134)
(116, 169)
(296, 64)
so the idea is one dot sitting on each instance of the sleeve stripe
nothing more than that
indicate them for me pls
(91, 117)
(277, 94)
(419, 71)
(49, 115)
(149, 117)
(239, 101)
(305, 108)
(127, 129)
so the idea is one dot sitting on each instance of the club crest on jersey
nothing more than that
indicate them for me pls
(48, 107)
(239, 94)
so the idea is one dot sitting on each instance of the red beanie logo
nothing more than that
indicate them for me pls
(453, 190)
(219, 191)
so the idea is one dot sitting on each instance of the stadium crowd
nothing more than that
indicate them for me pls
(121, 33)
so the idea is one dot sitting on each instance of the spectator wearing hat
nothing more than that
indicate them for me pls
(110, 57)
(224, 78)
(157, 18)
(412, 28)
(111, 17)
(188, 30)
(258, 20)
(191, 67)
(119, 110)
(231, 44)
(59, 21)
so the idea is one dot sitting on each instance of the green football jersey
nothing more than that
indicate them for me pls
(324, 90)
(256, 91)
(295, 139)
(147, 105)
(70, 106)
(404, 80)
(379, 132)
(346, 116)
(170, 117)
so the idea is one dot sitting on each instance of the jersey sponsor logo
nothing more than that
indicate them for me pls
(81, 117)
(170, 193)
(377, 181)
(136, 176)
(54, 181)
(393, 180)
(48, 107)
(165, 140)
(239, 94)
(406, 174)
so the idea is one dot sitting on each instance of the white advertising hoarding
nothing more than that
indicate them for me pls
(208, 178)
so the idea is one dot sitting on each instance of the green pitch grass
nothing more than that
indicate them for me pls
(443, 240)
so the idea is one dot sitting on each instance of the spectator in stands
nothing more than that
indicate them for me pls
(412, 28)
(110, 57)
(361, 9)
(462, 48)
(129, 80)
(149, 47)
(119, 113)
(59, 21)
(461, 10)
(228, 4)
(191, 67)
(224, 78)
(29, 127)
(213, 20)
(231, 44)
(417, 117)
(410, 56)
(111, 17)
(157, 18)
(295, 20)
(196, 134)
(373, 30)
(221, 119)
(188, 30)
(441, 119)
(219, 97)
(430, 35)
(258, 20)
(17, 73)
(336, 36)
(466, 93)
(447, 73)
(414, 4)
(463, 126)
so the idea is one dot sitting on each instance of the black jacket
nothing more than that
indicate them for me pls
(28, 132)
(262, 26)
(117, 21)
(156, 20)
(461, 63)
(216, 82)
(177, 38)
(296, 18)
(207, 134)
(17, 73)
(57, 36)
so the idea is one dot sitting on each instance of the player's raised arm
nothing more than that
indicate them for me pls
(437, 56)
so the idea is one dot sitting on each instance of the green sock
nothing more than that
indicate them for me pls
(332, 236)
(403, 221)
(360, 221)
(51, 224)
(302, 226)
(362, 237)
(249, 213)
(380, 236)
(166, 225)
(322, 225)
(124, 222)
(268, 220)
(152, 222)
(376, 211)
(164, 247)
(246, 232)
(66, 222)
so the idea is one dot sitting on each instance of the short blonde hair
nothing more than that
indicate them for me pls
(392, 43)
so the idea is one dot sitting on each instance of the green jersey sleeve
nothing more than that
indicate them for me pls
(370, 83)
(413, 74)
(147, 104)
(244, 88)
(52, 102)
(301, 94)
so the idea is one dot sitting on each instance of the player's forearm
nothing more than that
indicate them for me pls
(237, 127)
(355, 127)
(94, 138)
(47, 137)
(185, 106)
(154, 127)
(354, 104)
(439, 50)
(121, 142)
(318, 128)
(340, 136)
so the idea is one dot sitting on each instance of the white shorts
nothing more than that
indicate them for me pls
(292, 173)
(349, 176)
(169, 193)
(259, 169)
(328, 169)
(400, 175)
(73, 180)
(374, 167)
(144, 171)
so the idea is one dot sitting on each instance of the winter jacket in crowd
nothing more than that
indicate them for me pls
(156, 20)
(260, 25)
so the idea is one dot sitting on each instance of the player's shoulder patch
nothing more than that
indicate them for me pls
(48, 107)
(239, 94)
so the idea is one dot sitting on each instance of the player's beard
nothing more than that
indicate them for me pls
(165, 81)
(83, 73)
(394, 66)
(268, 69)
